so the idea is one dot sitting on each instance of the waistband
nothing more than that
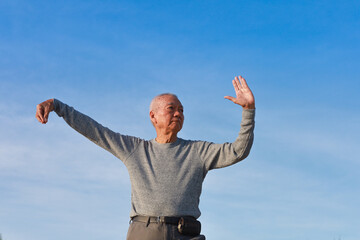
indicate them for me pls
(160, 219)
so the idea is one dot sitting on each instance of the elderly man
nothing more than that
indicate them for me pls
(167, 172)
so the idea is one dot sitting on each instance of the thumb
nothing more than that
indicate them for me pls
(230, 98)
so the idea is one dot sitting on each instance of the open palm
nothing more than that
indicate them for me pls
(244, 96)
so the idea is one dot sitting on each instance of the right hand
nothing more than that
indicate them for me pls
(43, 109)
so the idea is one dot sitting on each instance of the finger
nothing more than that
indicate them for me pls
(40, 113)
(40, 119)
(237, 83)
(39, 116)
(236, 87)
(243, 82)
(46, 113)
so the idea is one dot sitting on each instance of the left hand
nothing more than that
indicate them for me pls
(244, 96)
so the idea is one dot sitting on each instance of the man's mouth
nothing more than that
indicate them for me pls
(177, 121)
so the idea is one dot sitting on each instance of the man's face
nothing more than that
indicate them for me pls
(168, 114)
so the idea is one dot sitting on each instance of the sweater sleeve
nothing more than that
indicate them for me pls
(223, 155)
(119, 145)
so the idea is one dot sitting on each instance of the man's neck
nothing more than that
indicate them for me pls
(166, 138)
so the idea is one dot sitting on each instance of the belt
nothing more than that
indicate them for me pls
(166, 220)
(186, 225)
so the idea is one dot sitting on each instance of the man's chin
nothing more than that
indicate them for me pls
(177, 128)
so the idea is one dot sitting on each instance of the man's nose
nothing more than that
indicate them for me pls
(178, 113)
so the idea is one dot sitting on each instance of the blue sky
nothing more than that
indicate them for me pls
(109, 58)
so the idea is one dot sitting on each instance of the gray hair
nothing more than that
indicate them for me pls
(156, 98)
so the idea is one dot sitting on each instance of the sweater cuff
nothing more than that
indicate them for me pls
(248, 114)
(57, 105)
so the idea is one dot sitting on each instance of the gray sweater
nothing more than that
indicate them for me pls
(166, 179)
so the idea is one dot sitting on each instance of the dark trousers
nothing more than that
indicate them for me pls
(157, 231)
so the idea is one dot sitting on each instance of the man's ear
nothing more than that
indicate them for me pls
(152, 117)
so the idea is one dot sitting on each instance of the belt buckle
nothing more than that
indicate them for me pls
(158, 219)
